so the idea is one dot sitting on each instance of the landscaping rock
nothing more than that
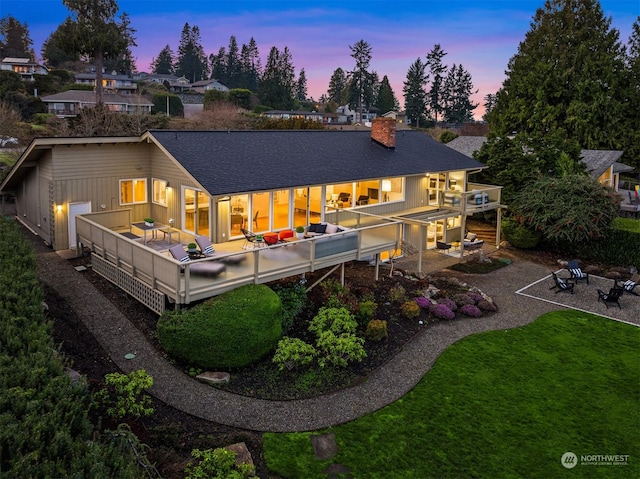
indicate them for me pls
(214, 377)
(243, 456)
(324, 446)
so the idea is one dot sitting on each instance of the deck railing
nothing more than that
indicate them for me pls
(153, 276)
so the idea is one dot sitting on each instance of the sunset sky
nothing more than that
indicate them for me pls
(480, 35)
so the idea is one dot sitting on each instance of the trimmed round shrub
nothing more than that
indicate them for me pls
(423, 302)
(229, 331)
(441, 311)
(376, 330)
(471, 310)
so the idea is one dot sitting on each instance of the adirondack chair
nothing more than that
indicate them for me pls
(562, 284)
(628, 285)
(576, 272)
(613, 296)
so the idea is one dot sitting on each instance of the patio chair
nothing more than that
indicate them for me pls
(249, 237)
(562, 284)
(443, 246)
(205, 268)
(629, 285)
(576, 272)
(255, 220)
(206, 248)
(613, 296)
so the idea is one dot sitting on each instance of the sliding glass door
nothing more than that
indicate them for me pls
(196, 211)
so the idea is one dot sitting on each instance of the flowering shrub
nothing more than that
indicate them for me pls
(449, 303)
(423, 302)
(410, 309)
(471, 310)
(476, 297)
(441, 311)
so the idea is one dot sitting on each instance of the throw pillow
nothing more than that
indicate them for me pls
(331, 228)
(313, 227)
(321, 228)
(208, 250)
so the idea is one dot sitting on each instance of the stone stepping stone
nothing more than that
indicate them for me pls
(214, 377)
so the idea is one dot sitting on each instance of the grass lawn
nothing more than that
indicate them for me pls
(501, 404)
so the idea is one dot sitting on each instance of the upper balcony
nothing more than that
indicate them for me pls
(478, 197)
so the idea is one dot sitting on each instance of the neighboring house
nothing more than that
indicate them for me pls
(206, 85)
(172, 82)
(325, 118)
(399, 116)
(69, 103)
(602, 165)
(353, 116)
(23, 67)
(385, 187)
(111, 82)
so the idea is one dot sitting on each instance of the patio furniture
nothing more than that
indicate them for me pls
(345, 198)
(255, 220)
(629, 285)
(205, 268)
(562, 284)
(249, 237)
(237, 219)
(613, 296)
(207, 249)
(270, 238)
(576, 272)
(443, 246)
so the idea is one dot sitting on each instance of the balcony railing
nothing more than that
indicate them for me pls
(478, 197)
(153, 276)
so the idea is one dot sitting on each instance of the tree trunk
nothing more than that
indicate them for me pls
(99, 67)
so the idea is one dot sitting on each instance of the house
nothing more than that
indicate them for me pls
(171, 82)
(111, 82)
(206, 85)
(399, 116)
(602, 165)
(353, 116)
(375, 188)
(70, 102)
(23, 67)
(325, 118)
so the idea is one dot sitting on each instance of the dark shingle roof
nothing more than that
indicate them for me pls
(240, 161)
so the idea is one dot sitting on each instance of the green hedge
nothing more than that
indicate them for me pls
(44, 427)
(230, 331)
(620, 247)
(520, 236)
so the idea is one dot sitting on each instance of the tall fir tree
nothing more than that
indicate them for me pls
(15, 40)
(251, 68)
(95, 31)
(219, 66)
(277, 86)
(337, 86)
(630, 139)
(415, 95)
(438, 72)
(360, 79)
(56, 50)
(386, 100)
(458, 89)
(234, 73)
(568, 75)
(163, 64)
(301, 86)
(191, 61)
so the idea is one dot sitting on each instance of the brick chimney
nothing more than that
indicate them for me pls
(383, 131)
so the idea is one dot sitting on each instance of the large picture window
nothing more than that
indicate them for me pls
(133, 191)
(159, 192)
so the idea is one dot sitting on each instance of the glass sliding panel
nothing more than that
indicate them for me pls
(196, 211)
(189, 209)
(281, 210)
(315, 205)
(239, 212)
(260, 212)
(339, 195)
(202, 212)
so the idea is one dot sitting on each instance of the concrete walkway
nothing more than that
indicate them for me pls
(386, 385)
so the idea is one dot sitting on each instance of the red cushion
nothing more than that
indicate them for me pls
(285, 234)
(270, 238)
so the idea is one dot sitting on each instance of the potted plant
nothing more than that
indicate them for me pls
(148, 221)
(192, 247)
(300, 232)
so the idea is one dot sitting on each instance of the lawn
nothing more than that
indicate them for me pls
(502, 404)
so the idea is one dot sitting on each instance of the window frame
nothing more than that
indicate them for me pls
(134, 202)
(153, 191)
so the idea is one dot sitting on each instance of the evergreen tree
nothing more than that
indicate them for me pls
(458, 89)
(56, 51)
(277, 86)
(124, 63)
(163, 64)
(386, 100)
(191, 62)
(489, 103)
(415, 95)
(360, 79)
(301, 86)
(219, 65)
(15, 40)
(337, 86)
(630, 134)
(250, 66)
(437, 71)
(94, 31)
(568, 75)
(234, 73)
